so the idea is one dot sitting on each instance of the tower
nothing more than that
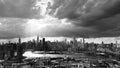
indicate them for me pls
(44, 45)
(19, 50)
(65, 40)
(37, 47)
(11, 50)
(19, 41)
(102, 43)
(116, 45)
(37, 40)
(74, 44)
(74, 41)
(83, 40)
(9, 42)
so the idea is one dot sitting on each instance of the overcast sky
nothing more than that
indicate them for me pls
(59, 18)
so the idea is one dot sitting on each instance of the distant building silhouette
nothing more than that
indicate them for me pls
(12, 51)
(83, 42)
(44, 44)
(19, 51)
(37, 41)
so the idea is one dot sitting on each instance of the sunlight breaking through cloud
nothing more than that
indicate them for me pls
(43, 5)
(55, 18)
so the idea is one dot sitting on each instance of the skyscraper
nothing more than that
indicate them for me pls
(19, 41)
(44, 45)
(37, 44)
(19, 50)
(74, 44)
(37, 40)
(74, 41)
(83, 42)
(116, 45)
(11, 50)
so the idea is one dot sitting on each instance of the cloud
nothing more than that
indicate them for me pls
(55, 28)
(18, 9)
(12, 28)
(101, 15)
(91, 18)
(85, 9)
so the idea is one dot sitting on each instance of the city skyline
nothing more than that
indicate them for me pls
(59, 33)
(97, 20)
(61, 39)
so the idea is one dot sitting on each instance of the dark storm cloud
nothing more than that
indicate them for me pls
(85, 10)
(18, 9)
(102, 15)
(93, 18)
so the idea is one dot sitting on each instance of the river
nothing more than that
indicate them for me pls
(30, 54)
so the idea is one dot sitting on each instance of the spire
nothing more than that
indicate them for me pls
(19, 40)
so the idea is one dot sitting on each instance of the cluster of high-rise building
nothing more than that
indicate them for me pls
(15, 50)
(11, 51)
